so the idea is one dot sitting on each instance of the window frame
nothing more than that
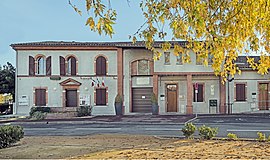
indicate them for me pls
(69, 66)
(101, 70)
(96, 103)
(203, 93)
(181, 58)
(235, 91)
(35, 96)
(167, 55)
(40, 71)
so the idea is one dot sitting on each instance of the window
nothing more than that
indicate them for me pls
(200, 60)
(71, 66)
(40, 97)
(143, 67)
(40, 66)
(240, 92)
(179, 60)
(101, 66)
(31, 66)
(101, 94)
(167, 57)
(199, 96)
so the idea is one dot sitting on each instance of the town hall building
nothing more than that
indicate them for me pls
(65, 75)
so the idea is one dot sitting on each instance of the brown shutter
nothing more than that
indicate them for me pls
(101, 66)
(40, 95)
(240, 92)
(73, 66)
(48, 66)
(62, 66)
(101, 96)
(31, 66)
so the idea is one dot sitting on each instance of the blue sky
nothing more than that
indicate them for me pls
(46, 20)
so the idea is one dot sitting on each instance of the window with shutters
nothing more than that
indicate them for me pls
(240, 92)
(31, 66)
(40, 97)
(101, 96)
(101, 66)
(71, 66)
(40, 66)
(167, 58)
(198, 96)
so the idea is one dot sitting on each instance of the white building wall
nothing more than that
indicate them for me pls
(85, 69)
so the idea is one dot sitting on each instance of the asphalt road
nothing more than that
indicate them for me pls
(243, 126)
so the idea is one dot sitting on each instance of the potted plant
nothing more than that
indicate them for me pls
(154, 104)
(118, 104)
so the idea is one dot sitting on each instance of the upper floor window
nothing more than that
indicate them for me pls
(68, 66)
(167, 57)
(71, 66)
(240, 92)
(142, 67)
(200, 60)
(39, 65)
(179, 60)
(101, 66)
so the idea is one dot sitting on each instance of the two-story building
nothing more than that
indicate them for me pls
(65, 75)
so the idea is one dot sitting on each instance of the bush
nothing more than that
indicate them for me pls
(154, 98)
(41, 109)
(9, 135)
(189, 130)
(207, 132)
(84, 111)
(232, 136)
(38, 115)
(261, 137)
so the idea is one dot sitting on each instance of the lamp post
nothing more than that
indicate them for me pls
(229, 103)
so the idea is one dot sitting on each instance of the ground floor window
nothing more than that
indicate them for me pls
(198, 93)
(101, 96)
(40, 97)
(240, 92)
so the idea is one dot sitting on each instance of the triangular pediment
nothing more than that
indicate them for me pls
(70, 82)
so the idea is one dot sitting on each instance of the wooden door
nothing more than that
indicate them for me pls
(263, 96)
(171, 98)
(71, 98)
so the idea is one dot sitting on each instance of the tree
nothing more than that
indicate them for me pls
(7, 79)
(222, 29)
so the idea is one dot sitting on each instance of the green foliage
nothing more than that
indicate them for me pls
(232, 136)
(268, 139)
(84, 111)
(207, 132)
(38, 115)
(9, 135)
(154, 99)
(41, 109)
(261, 137)
(118, 99)
(7, 79)
(189, 130)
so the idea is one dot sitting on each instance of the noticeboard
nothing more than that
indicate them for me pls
(213, 102)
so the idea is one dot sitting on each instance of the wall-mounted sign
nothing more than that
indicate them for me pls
(23, 100)
(84, 100)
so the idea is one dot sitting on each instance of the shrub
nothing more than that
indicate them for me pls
(9, 135)
(84, 111)
(268, 139)
(207, 132)
(261, 137)
(38, 115)
(118, 99)
(154, 98)
(189, 130)
(41, 109)
(232, 136)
